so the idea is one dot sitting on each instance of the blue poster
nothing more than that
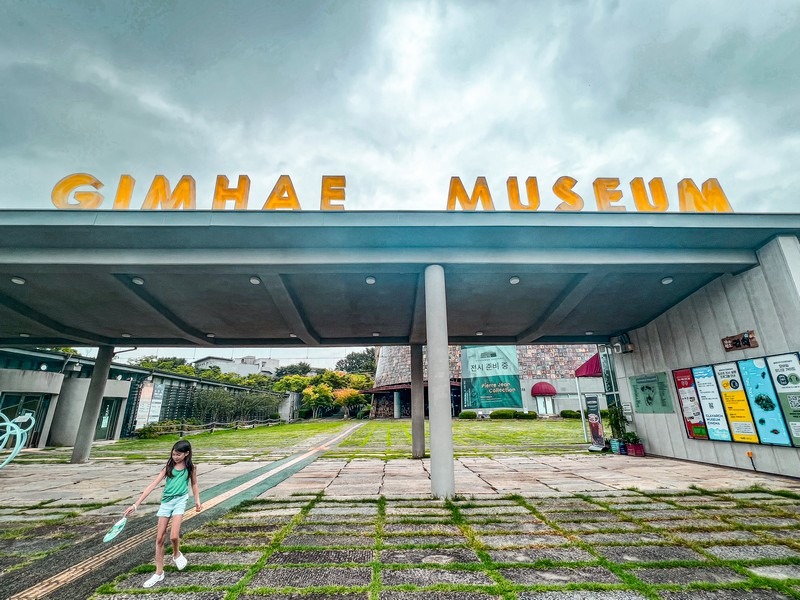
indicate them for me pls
(711, 403)
(764, 403)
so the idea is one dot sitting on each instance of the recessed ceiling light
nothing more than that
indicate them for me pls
(667, 280)
(125, 335)
(18, 280)
(137, 280)
(255, 280)
(514, 280)
(376, 334)
(370, 280)
(478, 333)
(24, 335)
(590, 333)
(211, 335)
(293, 335)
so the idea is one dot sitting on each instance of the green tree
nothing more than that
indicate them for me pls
(292, 383)
(333, 379)
(360, 382)
(318, 398)
(350, 400)
(211, 404)
(301, 368)
(359, 362)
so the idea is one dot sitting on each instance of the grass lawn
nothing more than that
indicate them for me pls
(383, 439)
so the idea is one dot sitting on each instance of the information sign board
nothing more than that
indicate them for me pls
(785, 372)
(734, 399)
(764, 402)
(490, 377)
(690, 404)
(711, 403)
(651, 393)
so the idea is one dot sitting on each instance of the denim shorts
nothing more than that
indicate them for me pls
(176, 506)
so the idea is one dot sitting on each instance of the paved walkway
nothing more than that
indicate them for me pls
(520, 527)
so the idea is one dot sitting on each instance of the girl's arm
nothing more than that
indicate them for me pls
(146, 492)
(196, 490)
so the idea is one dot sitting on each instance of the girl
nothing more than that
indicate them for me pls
(179, 472)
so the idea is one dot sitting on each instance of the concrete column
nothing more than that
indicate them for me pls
(443, 484)
(91, 409)
(417, 403)
(397, 405)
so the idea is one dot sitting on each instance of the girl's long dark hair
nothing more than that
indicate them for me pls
(181, 446)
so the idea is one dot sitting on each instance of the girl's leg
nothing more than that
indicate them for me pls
(175, 534)
(161, 537)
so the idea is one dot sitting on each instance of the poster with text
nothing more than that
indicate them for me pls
(143, 411)
(490, 377)
(651, 393)
(764, 402)
(690, 404)
(734, 399)
(711, 403)
(155, 405)
(785, 372)
(595, 421)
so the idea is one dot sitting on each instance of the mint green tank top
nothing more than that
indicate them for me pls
(177, 485)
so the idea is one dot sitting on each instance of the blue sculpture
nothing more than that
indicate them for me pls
(12, 429)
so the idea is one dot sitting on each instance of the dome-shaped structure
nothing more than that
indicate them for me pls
(543, 389)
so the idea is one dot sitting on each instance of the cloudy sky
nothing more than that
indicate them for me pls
(400, 96)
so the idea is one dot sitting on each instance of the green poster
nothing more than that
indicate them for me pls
(490, 377)
(785, 372)
(651, 393)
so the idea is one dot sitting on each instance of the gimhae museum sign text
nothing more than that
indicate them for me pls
(81, 191)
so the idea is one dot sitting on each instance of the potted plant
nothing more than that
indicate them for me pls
(633, 444)
(617, 422)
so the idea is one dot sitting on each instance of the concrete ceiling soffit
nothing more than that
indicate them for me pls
(288, 307)
(580, 288)
(76, 335)
(192, 334)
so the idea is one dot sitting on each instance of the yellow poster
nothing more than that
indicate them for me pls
(734, 399)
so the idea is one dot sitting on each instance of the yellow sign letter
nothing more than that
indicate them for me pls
(85, 200)
(459, 194)
(711, 199)
(332, 190)
(282, 195)
(563, 189)
(660, 201)
(122, 200)
(159, 194)
(606, 192)
(224, 194)
(532, 189)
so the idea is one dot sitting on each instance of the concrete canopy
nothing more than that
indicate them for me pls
(578, 273)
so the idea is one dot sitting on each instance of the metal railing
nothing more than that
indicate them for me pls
(184, 428)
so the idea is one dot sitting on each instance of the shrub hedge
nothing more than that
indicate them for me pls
(503, 413)
(518, 414)
(468, 414)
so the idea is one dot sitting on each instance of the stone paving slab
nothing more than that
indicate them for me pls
(440, 556)
(164, 596)
(425, 577)
(321, 556)
(676, 524)
(623, 538)
(751, 552)
(184, 578)
(686, 575)
(580, 595)
(222, 558)
(311, 539)
(361, 596)
(522, 540)
(333, 529)
(535, 555)
(512, 527)
(621, 554)
(311, 577)
(780, 572)
(595, 526)
(558, 575)
(733, 535)
(435, 595)
(427, 540)
(581, 516)
(241, 541)
(432, 528)
(766, 522)
(725, 595)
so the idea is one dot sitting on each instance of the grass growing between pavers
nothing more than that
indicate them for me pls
(338, 565)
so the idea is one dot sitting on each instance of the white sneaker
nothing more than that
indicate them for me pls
(154, 579)
(180, 561)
